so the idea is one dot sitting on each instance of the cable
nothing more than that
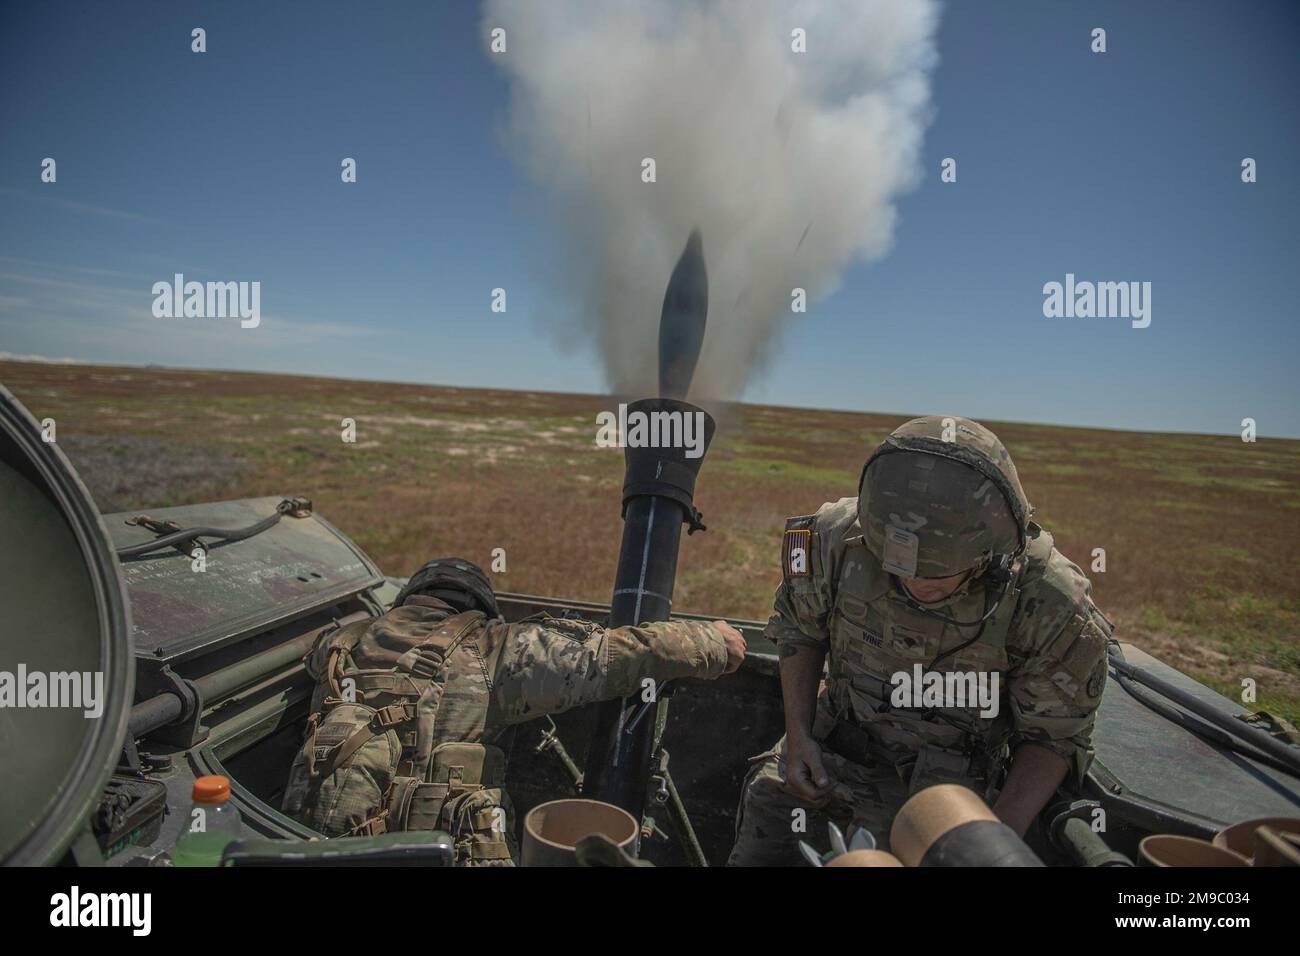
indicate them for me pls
(192, 534)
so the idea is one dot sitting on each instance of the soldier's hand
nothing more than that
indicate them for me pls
(735, 646)
(805, 774)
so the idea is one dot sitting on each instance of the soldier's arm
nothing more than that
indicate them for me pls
(801, 675)
(550, 666)
(799, 617)
(1055, 686)
(802, 605)
(798, 629)
(1035, 774)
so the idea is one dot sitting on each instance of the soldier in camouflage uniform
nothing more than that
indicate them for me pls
(408, 706)
(934, 569)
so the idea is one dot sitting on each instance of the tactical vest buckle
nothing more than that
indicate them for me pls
(391, 715)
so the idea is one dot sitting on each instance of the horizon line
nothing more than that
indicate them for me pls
(9, 357)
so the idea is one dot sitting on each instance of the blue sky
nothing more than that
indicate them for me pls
(225, 166)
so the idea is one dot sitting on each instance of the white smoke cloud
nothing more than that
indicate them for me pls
(759, 146)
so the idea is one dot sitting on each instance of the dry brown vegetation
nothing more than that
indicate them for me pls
(1200, 532)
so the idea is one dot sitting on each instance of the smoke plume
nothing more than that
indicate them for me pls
(788, 162)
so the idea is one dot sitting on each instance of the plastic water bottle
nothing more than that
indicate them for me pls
(214, 822)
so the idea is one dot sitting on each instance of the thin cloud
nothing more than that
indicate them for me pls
(64, 267)
(80, 206)
(12, 357)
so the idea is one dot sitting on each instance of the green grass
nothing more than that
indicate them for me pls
(1201, 533)
(780, 470)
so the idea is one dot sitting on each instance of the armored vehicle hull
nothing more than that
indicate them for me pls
(205, 676)
(1150, 776)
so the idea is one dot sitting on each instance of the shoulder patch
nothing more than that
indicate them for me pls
(796, 547)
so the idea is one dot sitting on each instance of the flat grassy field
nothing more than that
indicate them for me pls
(1201, 533)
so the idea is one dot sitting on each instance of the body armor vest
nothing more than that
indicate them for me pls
(875, 634)
(394, 740)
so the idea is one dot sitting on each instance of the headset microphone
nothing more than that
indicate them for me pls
(997, 575)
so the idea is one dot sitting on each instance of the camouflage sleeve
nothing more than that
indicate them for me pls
(796, 618)
(1058, 667)
(803, 600)
(551, 665)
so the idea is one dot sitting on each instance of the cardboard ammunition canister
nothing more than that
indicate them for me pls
(949, 825)
(1168, 849)
(553, 830)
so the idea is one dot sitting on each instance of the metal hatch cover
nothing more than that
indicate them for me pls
(292, 568)
(1155, 760)
(64, 645)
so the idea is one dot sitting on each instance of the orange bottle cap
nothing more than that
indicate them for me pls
(211, 789)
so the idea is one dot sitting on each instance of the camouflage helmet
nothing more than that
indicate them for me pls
(940, 495)
(456, 575)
